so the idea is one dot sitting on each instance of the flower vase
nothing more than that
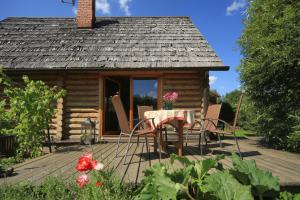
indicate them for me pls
(168, 106)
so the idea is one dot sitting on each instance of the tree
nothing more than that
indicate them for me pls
(247, 114)
(270, 68)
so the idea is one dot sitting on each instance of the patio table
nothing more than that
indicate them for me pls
(176, 118)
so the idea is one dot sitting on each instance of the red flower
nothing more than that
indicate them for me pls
(99, 184)
(82, 180)
(85, 163)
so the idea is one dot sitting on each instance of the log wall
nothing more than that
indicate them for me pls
(83, 99)
(190, 88)
(81, 102)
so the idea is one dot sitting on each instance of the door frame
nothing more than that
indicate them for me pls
(105, 75)
(104, 107)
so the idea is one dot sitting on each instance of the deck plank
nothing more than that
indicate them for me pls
(62, 163)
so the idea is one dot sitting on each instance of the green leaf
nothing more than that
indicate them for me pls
(263, 181)
(203, 166)
(247, 173)
(242, 169)
(158, 185)
(183, 160)
(224, 186)
(288, 196)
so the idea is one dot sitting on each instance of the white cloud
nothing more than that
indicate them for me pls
(125, 7)
(103, 6)
(74, 10)
(235, 6)
(155, 85)
(212, 79)
(152, 93)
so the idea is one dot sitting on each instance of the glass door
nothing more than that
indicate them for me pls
(113, 86)
(144, 94)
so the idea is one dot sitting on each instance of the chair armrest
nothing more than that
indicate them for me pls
(227, 125)
(141, 122)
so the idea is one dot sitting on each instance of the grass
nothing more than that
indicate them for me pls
(244, 133)
(55, 188)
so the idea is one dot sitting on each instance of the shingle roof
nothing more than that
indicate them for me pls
(115, 43)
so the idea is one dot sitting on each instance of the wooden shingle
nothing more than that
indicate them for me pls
(115, 42)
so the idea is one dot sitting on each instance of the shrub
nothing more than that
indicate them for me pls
(270, 68)
(31, 107)
(294, 136)
(206, 179)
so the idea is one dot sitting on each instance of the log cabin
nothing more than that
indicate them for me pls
(93, 58)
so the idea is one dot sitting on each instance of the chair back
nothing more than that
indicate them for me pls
(122, 117)
(213, 112)
(237, 111)
(141, 111)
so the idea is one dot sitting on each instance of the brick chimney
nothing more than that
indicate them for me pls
(85, 14)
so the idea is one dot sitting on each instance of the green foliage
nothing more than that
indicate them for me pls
(288, 196)
(182, 183)
(206, 179)
(5, 163)
(247, 115)
(6, 123)
(111, 188)
(31, 108)
(56, 189)
(294, 136)
(51, 189)
(158, 184)
(224, 186)
(270, 66)
(247, 173)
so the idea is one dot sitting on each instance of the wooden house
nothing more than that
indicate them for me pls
(95, 57)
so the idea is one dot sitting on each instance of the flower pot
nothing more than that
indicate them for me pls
(7, 145)
(168, 106)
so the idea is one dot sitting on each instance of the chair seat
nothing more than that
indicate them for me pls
(195, 129)
(145, 132)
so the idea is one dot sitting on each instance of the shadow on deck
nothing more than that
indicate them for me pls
(62, 163)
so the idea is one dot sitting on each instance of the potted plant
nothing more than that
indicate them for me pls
(169, 98)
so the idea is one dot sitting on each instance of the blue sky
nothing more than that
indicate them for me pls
(220, 21)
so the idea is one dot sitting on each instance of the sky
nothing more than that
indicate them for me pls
(219, 21)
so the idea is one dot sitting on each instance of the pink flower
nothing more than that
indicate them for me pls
(97, 166)
(170, 97)
(86, 162)
(82, 180)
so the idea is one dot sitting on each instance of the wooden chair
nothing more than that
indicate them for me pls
(208, 124)
(136, 131)
(228, 129)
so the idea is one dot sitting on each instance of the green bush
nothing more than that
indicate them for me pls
(31, 107)
(270, 68)
(294, 136)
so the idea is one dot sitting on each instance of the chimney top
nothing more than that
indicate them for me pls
(86, 14)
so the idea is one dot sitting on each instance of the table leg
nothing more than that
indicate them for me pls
(161, 141)
(180, 137)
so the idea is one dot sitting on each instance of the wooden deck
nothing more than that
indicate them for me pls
(62, 163)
